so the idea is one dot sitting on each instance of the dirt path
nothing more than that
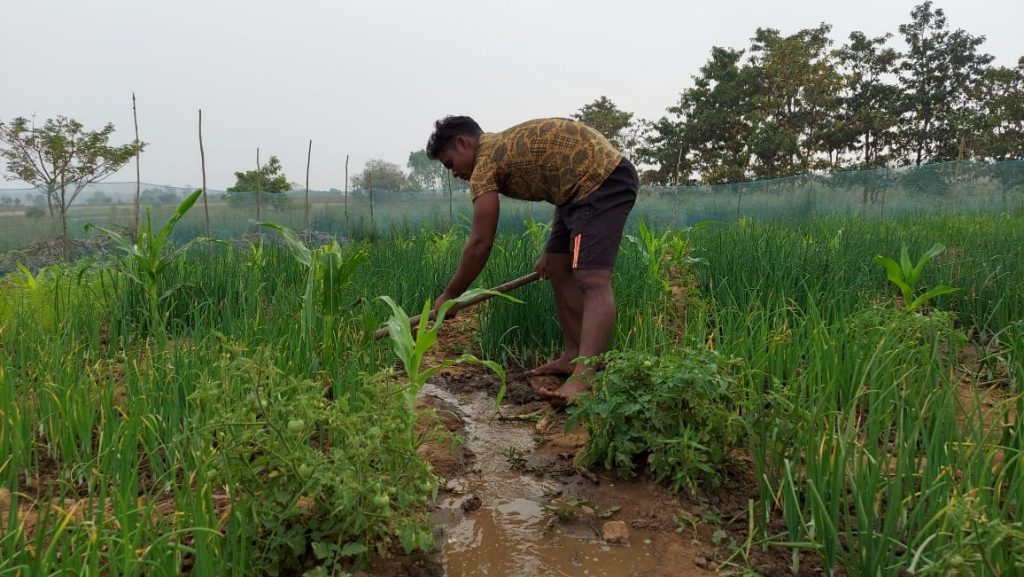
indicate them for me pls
(514, 504)
(521, 508)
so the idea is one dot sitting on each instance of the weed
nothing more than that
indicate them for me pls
(680, 411)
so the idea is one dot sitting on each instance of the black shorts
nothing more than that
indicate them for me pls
(591, 229)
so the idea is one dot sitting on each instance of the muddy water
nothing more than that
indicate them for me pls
(512, 534)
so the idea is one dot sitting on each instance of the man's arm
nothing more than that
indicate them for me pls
(478, 247)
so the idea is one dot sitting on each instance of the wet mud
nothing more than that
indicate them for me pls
(520, 507)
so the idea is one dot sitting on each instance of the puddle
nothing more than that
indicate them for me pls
(511, 533)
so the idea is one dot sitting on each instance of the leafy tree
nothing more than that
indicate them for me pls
(717, 112)
(666, 148)
(868, 103)
(61, 159)
(616, 125)
(382, 175)
(269, 178)
(797, 83)
(937, 75)
(424, 173)
(1000, 130)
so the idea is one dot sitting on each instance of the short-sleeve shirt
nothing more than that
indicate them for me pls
(557, 160)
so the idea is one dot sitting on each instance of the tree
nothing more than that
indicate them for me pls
(937, 75)
(61, 158)
(383, 176)
(999, 134)
(269, 178)
(666, 149)
(616, 125)
(424, 173)
(797, 86)
(717, 111)
(868, 102)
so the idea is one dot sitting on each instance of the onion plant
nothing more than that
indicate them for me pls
(147, 257)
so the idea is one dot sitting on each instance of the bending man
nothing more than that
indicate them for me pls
(593, 188)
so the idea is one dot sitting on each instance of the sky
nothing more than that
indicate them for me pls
(367, 79)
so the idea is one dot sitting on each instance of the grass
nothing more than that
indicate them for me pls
(868, 449)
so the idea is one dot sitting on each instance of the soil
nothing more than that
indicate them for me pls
(514, 503)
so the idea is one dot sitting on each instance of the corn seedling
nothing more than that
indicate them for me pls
(147, 258)
(410, 349)
(329, 271)
(905, 275)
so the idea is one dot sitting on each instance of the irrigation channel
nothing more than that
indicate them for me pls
(520, 508)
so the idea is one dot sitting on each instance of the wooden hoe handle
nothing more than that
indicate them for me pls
(504, 288)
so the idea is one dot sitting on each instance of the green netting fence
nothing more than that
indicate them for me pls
(954, 187)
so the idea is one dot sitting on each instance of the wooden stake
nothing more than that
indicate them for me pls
(259, 183)
(138, 172)
(451, 218)
(202, 161)
(347, 232)
(373, 225)
(309, 155)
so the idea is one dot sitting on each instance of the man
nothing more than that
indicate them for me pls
(593, 188)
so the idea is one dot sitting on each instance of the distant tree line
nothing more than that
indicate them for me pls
(789, 104)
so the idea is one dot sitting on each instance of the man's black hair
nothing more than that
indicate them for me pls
(447, 130)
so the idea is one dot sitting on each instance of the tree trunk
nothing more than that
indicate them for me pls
(64, 222)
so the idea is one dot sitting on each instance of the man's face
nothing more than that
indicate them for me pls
(459, 157)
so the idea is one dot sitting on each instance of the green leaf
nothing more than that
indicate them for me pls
(352, 549)
(185, 205)
(934, 251)
(299, 248)
(323, 550)
(895, 274)
(930, 294)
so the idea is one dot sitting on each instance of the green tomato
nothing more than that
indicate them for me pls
(296, 425)
(212, 474)
(957, 561)
(305, 469)
(381, 500)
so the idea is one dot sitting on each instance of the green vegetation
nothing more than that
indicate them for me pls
(681, 411)
(60, 159)
(267, 432)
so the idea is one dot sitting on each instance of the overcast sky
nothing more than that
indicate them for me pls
(368, 78)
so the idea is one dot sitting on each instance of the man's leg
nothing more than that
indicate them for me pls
(598, 319)
(569, 304)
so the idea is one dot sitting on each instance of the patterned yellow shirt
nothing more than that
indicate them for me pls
(553, 159)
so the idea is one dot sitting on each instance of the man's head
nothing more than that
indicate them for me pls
(454, 143)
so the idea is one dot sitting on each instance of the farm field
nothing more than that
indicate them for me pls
(773, 405)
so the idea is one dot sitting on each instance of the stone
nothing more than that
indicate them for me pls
(472, 503)
(615, 532)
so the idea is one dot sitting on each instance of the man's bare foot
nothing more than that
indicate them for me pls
(560, 367)
(561, 396)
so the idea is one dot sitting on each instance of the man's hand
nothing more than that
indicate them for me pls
(541, 267)
(437, 306)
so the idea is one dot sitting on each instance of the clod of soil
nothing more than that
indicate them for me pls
(615, 532)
